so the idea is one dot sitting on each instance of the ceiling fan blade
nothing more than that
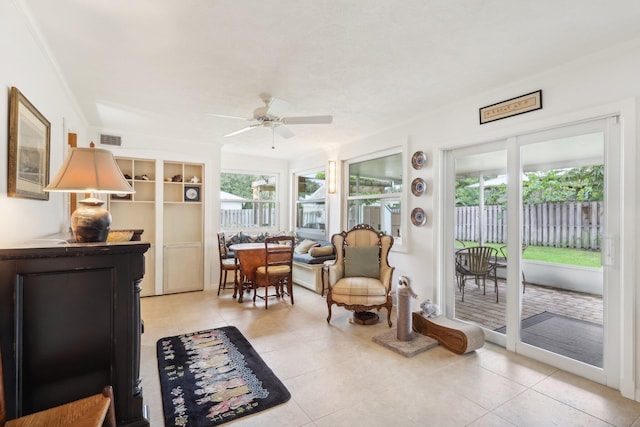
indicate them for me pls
(283, 131)
(244, 130)
(277, 107)
(224, 116)
(307, 120)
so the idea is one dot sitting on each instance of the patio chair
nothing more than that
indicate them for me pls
(503, 264)
(478, 262)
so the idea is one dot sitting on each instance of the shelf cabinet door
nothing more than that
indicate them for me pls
(183, 267)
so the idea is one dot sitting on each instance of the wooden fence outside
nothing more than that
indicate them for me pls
(246, 218)
(564, 225)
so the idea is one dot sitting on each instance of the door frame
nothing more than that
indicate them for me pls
(609, 374)
(623, 354)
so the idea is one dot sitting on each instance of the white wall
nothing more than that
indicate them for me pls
(26, 66)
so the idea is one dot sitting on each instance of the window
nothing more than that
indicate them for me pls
(311, 213)
(247, 201)
(375, 193)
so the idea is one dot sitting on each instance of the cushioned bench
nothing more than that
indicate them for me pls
(307, 266)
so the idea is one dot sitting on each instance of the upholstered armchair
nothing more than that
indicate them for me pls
(360, 278)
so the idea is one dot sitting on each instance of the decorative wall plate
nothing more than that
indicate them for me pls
(418, 217)
(418, 187)
(418, 160)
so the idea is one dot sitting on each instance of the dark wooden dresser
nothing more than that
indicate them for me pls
(70, 324)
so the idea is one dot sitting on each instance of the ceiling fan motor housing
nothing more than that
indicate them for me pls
(260, 113)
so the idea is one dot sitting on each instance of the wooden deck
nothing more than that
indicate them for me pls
(484, 311)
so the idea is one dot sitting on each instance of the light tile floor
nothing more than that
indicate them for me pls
(338, 376)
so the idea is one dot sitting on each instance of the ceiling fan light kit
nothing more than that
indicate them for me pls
(272, 116)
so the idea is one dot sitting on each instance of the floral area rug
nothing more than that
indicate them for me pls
(211, 377)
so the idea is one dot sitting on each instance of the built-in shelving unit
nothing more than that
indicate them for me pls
(138, 210)
(168, 205)
(183, 246)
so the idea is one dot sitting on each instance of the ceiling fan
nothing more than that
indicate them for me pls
(272, 116)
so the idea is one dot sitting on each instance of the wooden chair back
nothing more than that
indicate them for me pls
(278, 253)
(222, 246)
(277, 268)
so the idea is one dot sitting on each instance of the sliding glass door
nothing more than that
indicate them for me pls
(569, 214)
(547, 206)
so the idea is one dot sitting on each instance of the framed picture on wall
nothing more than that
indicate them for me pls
(29, 139)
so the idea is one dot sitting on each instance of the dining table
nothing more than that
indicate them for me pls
(251, 256)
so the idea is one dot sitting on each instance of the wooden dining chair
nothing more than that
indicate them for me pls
(227, 264)
(276, 270)
(93, 411)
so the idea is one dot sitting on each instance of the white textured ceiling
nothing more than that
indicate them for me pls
(159, 66)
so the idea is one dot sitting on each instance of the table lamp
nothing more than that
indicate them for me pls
(94, 171)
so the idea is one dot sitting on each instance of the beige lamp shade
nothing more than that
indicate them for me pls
(89, 170)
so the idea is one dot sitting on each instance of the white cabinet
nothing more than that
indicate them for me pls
(169, 208)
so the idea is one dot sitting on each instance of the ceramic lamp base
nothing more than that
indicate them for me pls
(90, 222)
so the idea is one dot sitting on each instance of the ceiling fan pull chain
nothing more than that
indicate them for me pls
(273, 138)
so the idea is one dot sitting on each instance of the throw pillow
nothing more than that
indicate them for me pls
(318, 251)
(304, 246)
(362, 261)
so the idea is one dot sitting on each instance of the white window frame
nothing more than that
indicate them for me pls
(402, 195)
(310, 232)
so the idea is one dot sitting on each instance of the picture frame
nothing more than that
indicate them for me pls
(191, 193)
(511, 107)
(29, 149)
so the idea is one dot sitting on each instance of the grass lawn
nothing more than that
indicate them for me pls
(580, 257)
